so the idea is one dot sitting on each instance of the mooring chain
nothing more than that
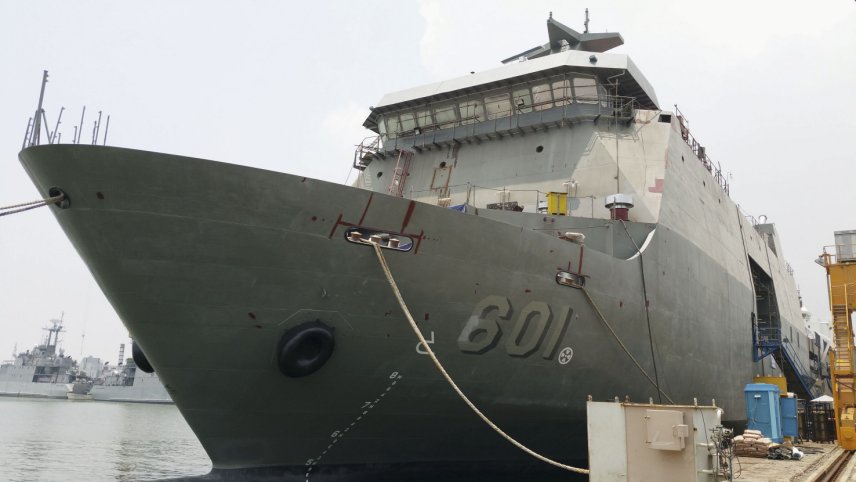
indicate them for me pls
(424, 343)
(21, 207)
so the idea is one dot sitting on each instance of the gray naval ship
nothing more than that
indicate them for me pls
(129, 383)
(555, 232)
(43, 372)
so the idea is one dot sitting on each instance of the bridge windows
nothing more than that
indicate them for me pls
(542, 96)
(424, 118)
(408, 121)
(445, 114)
(471, 111)
(524, 98)
(498, 105)
(586, 90)
(562, 92)
(522, 101)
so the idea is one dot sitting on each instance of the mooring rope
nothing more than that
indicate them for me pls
(647, 311)
(623, 346)
(394, 286)
(21, 207)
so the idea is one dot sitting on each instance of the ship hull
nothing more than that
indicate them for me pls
(145, 389)
(34, 390)
(209, 264)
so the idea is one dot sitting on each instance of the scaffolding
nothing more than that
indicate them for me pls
(841, 280)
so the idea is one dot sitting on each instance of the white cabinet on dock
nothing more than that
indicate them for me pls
(629, 442)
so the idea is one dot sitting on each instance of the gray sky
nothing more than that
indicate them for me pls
(768, 87)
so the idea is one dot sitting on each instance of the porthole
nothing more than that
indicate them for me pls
(379, 174)
(539, 148)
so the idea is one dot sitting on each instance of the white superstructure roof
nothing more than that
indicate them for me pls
(631, 83)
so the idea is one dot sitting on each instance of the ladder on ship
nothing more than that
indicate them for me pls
(841, 276)
(400, 173)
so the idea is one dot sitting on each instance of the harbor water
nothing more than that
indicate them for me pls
(60, 440)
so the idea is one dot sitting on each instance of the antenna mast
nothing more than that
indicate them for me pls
(53, 334)
(586, 22)
(37, 122)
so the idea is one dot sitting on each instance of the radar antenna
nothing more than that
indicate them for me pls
(52, 339)
(586, 23)
(564, 38)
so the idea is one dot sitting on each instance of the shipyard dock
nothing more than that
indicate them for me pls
(822, 462)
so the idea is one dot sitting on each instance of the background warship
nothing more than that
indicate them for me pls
(128, 383)
(594, 250)
(43, 372)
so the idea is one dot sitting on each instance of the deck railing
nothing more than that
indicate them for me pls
(714, 169)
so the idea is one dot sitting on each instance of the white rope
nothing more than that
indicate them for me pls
(439, 366)
(5, 210)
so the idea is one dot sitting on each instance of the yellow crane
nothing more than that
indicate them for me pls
(840, 264)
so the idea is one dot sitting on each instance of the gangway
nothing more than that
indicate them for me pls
(840, 263)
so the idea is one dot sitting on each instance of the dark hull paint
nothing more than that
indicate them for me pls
(208, 264)
(494, 471)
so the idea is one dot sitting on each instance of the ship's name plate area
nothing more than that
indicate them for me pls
(535, 329)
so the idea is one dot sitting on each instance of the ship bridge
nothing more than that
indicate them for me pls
(543, 87)
(565, 113)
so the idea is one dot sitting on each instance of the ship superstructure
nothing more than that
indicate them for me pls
(43, 372)
(555, 232)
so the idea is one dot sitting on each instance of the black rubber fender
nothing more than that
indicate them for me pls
(305, 348)
(140, 359)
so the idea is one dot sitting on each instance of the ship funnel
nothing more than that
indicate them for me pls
(619, 206)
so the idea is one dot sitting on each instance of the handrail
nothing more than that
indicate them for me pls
(838, 253)
(805, 380)
(365, 150)
(767, 339)
(700, 152)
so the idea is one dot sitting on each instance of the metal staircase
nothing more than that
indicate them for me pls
(841, 277)
(843, 336)
(796, 373)
(767, 339)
